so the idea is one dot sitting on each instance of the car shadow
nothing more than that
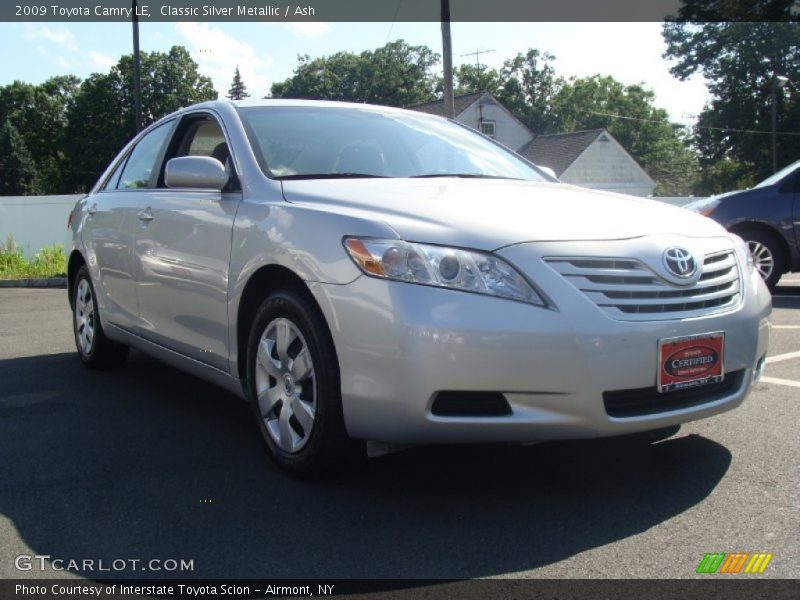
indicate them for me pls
(146, 462)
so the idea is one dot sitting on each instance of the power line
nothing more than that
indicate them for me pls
(709, 127)
(388, 35)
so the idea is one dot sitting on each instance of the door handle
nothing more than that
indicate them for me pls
(145, 215)
(92, 210)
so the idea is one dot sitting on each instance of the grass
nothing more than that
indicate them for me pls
(50, 261)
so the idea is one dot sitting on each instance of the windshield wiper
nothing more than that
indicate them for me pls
(461, 175)
(329, 176)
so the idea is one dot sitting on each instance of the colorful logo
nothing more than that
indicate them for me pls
(734, 562)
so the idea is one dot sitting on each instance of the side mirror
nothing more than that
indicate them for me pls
(200, 172)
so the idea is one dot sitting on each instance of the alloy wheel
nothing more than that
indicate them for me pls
(762, 258)
(286, 385)
(85, 317)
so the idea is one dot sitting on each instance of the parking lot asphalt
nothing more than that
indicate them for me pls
(145, 462)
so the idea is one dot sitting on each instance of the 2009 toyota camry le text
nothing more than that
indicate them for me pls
(368, 274)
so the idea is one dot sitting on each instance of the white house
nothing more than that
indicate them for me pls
(592, 159)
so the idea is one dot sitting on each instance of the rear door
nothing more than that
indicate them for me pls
(110, 226)
(182, 254)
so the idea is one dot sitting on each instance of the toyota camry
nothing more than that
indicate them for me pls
(374, 277)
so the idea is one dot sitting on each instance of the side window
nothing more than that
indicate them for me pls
(201, 135)
(111, 182)
(205, 138)
(139, 168)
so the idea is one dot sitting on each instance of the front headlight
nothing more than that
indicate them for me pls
(705, 207)
(439, 266)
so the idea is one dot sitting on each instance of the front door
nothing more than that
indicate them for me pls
(182, 252)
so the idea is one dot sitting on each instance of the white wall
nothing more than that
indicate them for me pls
(606, 166)
(508, 131)
(36, 221)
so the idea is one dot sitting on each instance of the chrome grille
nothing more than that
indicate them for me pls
(628, 290)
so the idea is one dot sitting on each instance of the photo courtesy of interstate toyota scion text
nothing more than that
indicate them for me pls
(374, 278)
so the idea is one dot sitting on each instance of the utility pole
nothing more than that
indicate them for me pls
(137, 69)
(778, 81)
(477, 54)
(447, 59)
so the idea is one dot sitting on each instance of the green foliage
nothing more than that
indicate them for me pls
(526, 85)
(628, 112)
(395, 75)
(50, 261)
(39, 114)
(72, 130)
(238, 90)
(101, 119)
(740, 62)
(725, 175)
(17, 169)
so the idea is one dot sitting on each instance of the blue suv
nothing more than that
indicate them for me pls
(767, 217)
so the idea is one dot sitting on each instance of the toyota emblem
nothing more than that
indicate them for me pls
(680, 262)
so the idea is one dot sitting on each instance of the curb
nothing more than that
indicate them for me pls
(43, 282)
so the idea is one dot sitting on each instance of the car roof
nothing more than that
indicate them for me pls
(284, 102)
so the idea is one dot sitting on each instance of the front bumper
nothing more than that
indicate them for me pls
(400, 344)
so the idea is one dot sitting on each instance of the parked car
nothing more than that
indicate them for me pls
(767, 217)
(374, 274)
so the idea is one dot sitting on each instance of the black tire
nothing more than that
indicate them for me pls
(101, 352)
(770, 244)
(325, 448)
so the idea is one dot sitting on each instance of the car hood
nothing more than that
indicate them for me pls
(488, 214)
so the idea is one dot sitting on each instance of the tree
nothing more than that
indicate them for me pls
(39, 114)
(526, 85)
(17, 168)
(628, 112)
(741, 60)
(101, 118)
(395, 75)
(238, 90)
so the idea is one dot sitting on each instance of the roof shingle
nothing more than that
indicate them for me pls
(437, 106)
(559, 150)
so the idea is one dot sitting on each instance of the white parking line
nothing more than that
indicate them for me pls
(779, 381)
(786, 326)
(782, 357)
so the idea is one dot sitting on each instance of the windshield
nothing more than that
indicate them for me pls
(776, 177)
(292, 142)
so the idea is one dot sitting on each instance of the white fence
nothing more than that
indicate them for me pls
(36, 221)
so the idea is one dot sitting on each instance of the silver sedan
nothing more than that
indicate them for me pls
(366, 274)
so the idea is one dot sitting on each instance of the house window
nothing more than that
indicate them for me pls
(487, 128)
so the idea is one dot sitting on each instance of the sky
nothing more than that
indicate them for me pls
(267, 52)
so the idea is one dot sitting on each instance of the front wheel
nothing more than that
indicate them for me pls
(95, 350)
(293, 386)
(768, 257)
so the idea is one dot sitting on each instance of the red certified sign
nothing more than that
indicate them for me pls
(690, 361)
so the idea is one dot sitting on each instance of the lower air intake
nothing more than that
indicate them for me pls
(470, 404)
(648, 401)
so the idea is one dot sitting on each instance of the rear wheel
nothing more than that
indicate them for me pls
(768, 255)
(95, 350)
(293, 386)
